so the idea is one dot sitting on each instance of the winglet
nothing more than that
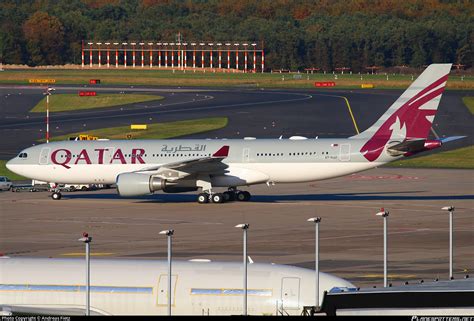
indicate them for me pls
(222, 152)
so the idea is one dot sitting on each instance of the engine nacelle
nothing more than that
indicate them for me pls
(137, 184)
(178, 188)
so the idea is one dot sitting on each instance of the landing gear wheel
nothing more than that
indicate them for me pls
(229, 196)
(243, 196)
(247, 195)
(56, 196)
(203, 198)
(217, 198)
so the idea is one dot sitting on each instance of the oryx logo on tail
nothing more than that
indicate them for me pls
(411, 116)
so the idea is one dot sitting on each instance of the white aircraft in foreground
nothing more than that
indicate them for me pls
(56, 287)
(141, 167)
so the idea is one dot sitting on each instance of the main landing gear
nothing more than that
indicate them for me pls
(231, 195)
(56, 195)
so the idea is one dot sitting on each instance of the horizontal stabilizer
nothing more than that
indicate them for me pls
(406, 147)
(410, 147)
(452, 138)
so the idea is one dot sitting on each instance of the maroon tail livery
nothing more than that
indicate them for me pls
(411, 116)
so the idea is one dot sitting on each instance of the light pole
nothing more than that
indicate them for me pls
(87, 240)
(316, 221)
(450, 209)
(244, 227)
(384, 214)
(47, 93)
(169, 233)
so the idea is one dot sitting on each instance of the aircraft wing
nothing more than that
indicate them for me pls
(204, 165)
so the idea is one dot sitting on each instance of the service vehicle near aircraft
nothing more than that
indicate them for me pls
(5, 183)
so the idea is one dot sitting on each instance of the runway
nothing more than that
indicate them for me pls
(32, 224)
(259, 113)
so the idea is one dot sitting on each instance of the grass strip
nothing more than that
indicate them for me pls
(190, 78)
(68, 102)
(155, 131)
(462, 158)
(469, 102)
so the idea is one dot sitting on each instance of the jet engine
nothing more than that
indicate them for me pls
(137, 184)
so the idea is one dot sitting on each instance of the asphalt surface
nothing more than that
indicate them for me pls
(251, 112)
(32, 224)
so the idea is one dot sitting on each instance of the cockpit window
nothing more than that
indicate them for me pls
(23, 155)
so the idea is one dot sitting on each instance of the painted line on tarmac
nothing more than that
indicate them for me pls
(125, 88)
(348, 107)
(419, 230)
(306, 97)
(110, 110)
(395, 276)
(92, 254)
(316, 203)
(130, 223)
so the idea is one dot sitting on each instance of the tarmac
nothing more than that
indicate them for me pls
(32, 224)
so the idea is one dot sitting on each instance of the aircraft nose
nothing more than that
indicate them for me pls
(10, 165)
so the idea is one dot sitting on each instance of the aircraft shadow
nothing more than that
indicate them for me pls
(373, 196)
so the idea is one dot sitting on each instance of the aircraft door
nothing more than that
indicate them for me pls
(246, 155)
(345, 152)
(162, 296)
(290, 293)
(44, 155)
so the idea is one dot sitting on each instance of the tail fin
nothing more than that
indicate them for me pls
(411, 116)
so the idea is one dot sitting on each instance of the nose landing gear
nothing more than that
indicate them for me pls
(56, 195)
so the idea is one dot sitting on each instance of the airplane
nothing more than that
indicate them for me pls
(124, 287)
(142, 167)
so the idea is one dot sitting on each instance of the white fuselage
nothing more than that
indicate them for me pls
(249, 161)
(140, 287)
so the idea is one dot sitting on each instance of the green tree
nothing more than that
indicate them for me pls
(44, 35)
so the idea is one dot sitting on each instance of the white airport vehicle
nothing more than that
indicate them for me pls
(78, 187)
(142, 167)
(125, 287)
(5, 183)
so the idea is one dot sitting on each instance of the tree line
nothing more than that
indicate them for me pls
(296, 33)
